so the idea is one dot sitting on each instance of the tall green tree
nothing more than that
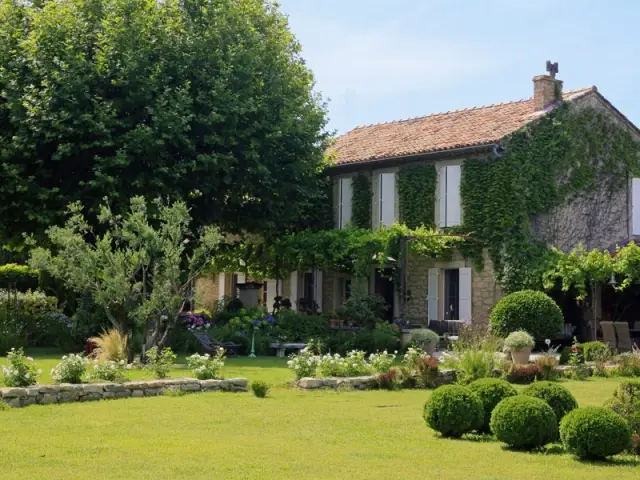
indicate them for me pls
(208, 101)
(140, 271)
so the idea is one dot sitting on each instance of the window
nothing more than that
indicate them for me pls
(635, 206)
(450, 196)
(346, 197)
(452, 294)
(307, 286)
(387, 197)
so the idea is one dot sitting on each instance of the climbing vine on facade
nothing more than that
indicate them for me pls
(416, 195)
(361, 203)
(556, 159)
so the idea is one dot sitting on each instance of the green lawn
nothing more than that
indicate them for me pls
(292, 434)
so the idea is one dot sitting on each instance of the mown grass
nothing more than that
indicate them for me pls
(291, 434)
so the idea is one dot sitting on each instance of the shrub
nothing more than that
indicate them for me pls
(298, 327)
(473, 357)
(110, 346)
(628, 364)
(412, 357)
(565, 354)
(70, 370)
(389, 380)
(527, 310)
(381, 362)
(524, 422)
(160, 362)
(363, 310)
(626, 403)
(558, 397)
(353, 365)
(518, 340)
(109, 371)
(260, 388)
(20, 277)
(206, 367)
(547, 367)
(26, 316)
(305, 363)
(423, 338)
(21, 371)
(383, 337)
(594, 351)
(593, 432)
(427, 370)
(407, 378)
(491, 391)
(521, 374)
(578, 370)
(453, 410)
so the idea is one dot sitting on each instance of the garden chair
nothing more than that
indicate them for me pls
(624, 338)
(211, 345)
(609, 334)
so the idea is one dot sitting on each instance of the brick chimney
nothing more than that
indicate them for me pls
(546, 89)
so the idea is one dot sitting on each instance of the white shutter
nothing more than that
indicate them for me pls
(442, 198)
(346, 200)
(221, 281)
(635, 206)
(387, 198)
(241, 277)
(294, 290)
(432, 295)
(465, 295)
(318, 289)
(271, 294)
(453, 196)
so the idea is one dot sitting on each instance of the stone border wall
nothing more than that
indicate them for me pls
(362, 383)
(66, 392)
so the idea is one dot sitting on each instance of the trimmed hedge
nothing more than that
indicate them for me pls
(491, 391)
(524, 422)
(626, 403)
(527, 310)
(595, 351)
(594, 432)
(20, 277)
(559, 398)
(453, 410)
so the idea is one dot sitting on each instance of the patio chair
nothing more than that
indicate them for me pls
(624, 338)
(609, 334)
(211, 345)
(636, 325)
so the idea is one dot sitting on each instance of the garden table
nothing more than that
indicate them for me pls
(282, 347)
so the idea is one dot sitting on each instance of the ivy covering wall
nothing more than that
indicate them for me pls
(361, 202)
(565, 152)
(417, 195)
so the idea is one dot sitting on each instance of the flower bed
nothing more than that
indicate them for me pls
(49, 394)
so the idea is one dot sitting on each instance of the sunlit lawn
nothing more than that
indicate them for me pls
(291, 434)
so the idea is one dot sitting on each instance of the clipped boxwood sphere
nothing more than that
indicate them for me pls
(594, 432)
(527, 310)
(559, 398)
(491, 391)
(524, 422)
(453, 410)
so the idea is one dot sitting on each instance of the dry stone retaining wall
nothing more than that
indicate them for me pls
(362, 383)
(48, 394)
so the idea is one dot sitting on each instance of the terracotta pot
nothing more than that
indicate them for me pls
(521, 357)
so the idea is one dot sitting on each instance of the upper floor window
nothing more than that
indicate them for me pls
(345, 187)
(387, 199)
(450, 196)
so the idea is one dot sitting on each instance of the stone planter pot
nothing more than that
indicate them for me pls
(430, 348)
(521, 357)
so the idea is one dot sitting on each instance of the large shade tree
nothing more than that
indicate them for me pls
(208, 101)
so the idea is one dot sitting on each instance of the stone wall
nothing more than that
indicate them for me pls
(49, 394)
(207, 292)
(368, 382)
(485, 292)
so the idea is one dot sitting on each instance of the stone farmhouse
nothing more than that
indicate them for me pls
(452, 289)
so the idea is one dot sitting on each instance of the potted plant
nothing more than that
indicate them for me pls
(519, 344)
(425, 339)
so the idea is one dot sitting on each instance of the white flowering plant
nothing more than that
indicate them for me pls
(206, 367)
(160, 361)
(382, 362)
(412, 358)
(110, 371)
(304, 364)
(21, 371)
(70, 370)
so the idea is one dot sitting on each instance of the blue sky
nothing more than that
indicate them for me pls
(383, 60)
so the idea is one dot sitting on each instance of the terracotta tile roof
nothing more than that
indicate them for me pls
(439, 132)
